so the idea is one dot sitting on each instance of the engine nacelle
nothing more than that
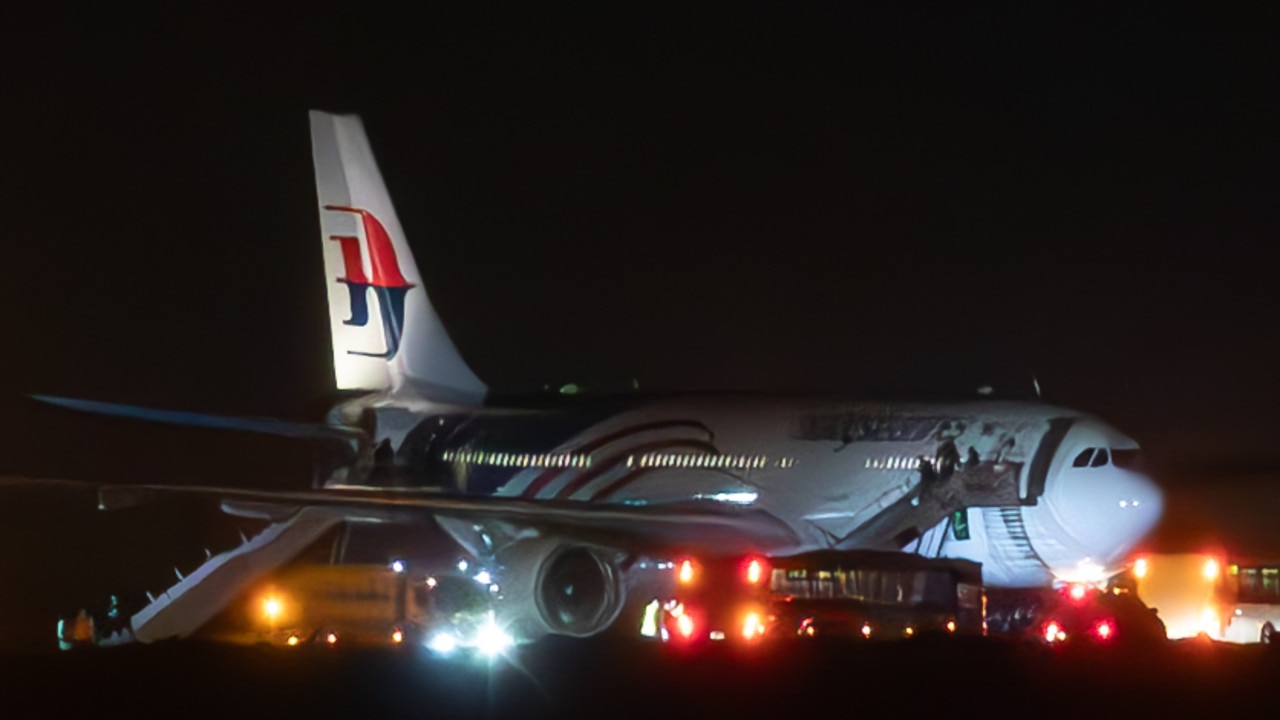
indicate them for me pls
(553, 587)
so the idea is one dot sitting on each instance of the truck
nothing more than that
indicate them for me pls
(1220, 595)
(862, 594)
(325, 604)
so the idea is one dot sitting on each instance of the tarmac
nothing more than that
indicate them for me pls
(610, 678)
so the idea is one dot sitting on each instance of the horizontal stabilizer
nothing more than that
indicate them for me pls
(305, 431)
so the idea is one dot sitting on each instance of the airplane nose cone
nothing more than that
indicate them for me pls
(1108, 510)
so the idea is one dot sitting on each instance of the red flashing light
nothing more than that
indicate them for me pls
(1104, 629)
(756, 570)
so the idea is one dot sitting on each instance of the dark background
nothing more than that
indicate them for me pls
(818, 200)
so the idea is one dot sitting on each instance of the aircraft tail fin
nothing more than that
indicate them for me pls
(386, 335)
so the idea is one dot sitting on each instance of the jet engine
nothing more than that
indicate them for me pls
(552, 587)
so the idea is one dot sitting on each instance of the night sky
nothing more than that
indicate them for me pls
(827, 200)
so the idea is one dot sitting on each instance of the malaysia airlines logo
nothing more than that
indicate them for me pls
(387, 283)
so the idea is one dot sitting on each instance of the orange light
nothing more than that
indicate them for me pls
(752, 628)
(271, 607)
(397, 636)
(686, 571)
(755, 571)
(1140, 568)
(951, 626)
(684, 624)
(909, 631)
(1103, 630)
(866, 630)
(1210, 569)
(293, 640)
(331, 638)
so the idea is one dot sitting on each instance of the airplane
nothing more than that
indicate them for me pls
(560, 499)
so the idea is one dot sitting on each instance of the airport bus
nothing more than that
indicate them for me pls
(1253, 613)
(857, 594)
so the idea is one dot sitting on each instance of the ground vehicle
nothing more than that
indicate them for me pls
(1253, 611)
(327, 604)
(1080, 612)
(1188, 590)
(1235, 599)
(859, 594)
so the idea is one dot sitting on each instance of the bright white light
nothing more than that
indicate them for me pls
(716, 635)
(493, 588)
(1140, 568)
(1210, 569)
(491, 640)
(1086, 571)
(483, 577)
(444, 643)
(431, 582)
(1124, 504)
(397, 565)
(462, 565)
(736, 498)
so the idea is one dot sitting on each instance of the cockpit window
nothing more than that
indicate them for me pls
(1130, 459)
(1082, 460)
(1100, 459)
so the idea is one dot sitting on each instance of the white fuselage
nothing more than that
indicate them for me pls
(824, 467)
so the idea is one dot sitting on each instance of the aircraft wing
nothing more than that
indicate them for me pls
(701, 524)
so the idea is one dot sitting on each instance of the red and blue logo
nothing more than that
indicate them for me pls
(387, 283)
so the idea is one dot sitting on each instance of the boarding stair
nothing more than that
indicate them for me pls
(201, 594)
(1008, 540)
(907, 523)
